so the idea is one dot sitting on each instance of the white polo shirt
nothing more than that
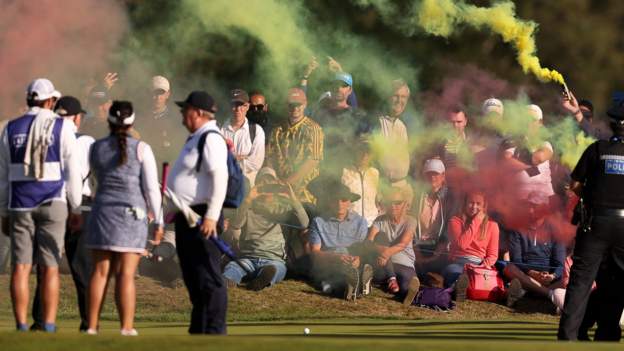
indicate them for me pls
(209, 185)
(394, 162)
(253, 153)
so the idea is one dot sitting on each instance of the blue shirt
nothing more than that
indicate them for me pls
(540, 254)
(334, 235)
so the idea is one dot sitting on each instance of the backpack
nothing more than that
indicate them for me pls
(435, 298)
(235, 186)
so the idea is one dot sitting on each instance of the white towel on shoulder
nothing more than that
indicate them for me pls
(39, 139)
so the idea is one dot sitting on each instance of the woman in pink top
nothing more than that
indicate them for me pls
(472, 236)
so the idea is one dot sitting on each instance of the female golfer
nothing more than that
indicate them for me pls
(127, 191)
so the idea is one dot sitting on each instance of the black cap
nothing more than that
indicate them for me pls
(616, 111)
(121, 109)
(199, 99)
(331, 189)
(239, 95)
(68, 106)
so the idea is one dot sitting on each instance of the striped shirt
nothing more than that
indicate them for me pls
(290, 146)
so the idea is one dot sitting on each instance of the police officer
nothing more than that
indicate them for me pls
(598, 176)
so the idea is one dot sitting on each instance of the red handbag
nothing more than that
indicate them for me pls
(484, 283)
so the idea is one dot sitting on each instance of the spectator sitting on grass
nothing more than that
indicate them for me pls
(393, 233)
(473, 239)
(432, 209)
(332, 236)
(537, 259)
(257, 230)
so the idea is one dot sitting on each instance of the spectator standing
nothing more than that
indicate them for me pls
(296, 147)
(362, 179)
(247, 137)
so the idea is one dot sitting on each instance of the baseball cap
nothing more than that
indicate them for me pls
(296, 96)
(239, 95)
(199, 99)
(42, 89)
(160, 82)
(493, 105)
(537, 198)
(68, 106)
(344, 77)
(535, 112)
(434, 165)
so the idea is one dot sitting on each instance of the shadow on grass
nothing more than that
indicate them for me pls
(386, 323)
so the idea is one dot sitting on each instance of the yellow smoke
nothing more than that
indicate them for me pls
(441, 17)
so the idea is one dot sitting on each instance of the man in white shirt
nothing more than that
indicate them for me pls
(39, 175)
(391, 143)
(203, 189)
(247, 137)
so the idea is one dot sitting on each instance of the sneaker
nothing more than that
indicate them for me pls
(412, 291)
(35, 327)
(91, 332)
(461, 285)
(557, 296)
(23, 327)
(264, 279)
(352, 280)
(49, 327)
(514, 292)
(393, 285)
(367, 278)
(129, 332)
(326, 287)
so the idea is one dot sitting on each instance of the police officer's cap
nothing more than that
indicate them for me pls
(616, 112)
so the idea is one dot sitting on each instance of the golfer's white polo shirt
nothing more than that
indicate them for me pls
(209, 185)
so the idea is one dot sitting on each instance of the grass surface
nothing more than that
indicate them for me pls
(274, 319)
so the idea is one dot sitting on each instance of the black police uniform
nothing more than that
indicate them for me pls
(601, 172)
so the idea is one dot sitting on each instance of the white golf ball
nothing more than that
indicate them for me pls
(306, 331)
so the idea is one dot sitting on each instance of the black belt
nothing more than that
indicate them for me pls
(607, 212)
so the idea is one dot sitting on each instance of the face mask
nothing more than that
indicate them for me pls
(258, 117)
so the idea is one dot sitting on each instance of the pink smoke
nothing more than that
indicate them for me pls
(67, 42)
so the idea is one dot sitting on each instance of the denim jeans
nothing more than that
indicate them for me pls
(236, 273)
(454, 269)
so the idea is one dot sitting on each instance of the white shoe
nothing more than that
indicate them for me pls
(129, 332)
(91, 332)
(557, 296)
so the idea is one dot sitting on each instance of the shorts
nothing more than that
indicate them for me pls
(37, 236)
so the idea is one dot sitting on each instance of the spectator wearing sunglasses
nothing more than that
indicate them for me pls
(247, 137)
(259, 112)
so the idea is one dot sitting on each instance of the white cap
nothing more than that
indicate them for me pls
(493, 105)
(537, 198)
(434, 165)
(42, 89)
(160, 82)
(535, 112)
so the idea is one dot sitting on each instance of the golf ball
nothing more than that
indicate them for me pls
(306, 331)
